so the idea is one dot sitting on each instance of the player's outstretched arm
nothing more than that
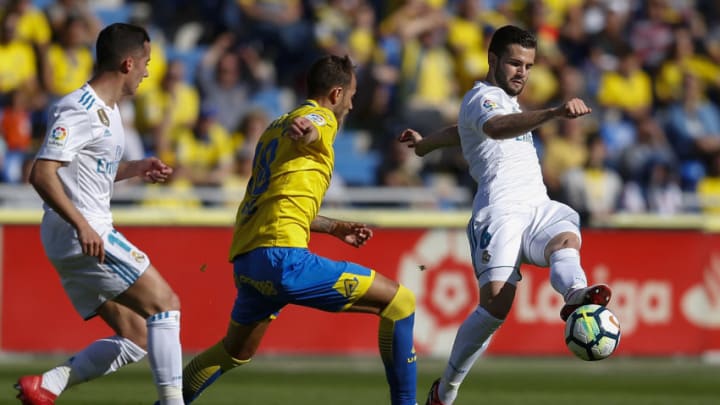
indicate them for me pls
(423, 145)
(151, 169)
(509, 126)
(352, 233)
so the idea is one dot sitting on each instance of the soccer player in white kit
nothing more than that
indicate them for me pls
(513, 219)
(103, 273)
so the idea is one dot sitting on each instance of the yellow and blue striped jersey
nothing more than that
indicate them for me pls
(289, 180)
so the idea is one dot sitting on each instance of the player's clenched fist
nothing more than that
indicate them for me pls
(574, 108)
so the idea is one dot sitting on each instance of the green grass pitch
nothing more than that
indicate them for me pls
(360, 381)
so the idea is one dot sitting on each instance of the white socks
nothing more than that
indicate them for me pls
(165, 355)
(566, 274)
(471, 341)
(102, 357)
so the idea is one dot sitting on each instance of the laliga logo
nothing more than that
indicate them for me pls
(439, 271)
(701, 304)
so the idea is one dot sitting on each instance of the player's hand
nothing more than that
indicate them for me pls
(156, 171)
(410, 137)
(91, 243)
(352, 233)
(303, 129)
(574, 108)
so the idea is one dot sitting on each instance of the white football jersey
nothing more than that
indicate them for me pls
(88, 137)
(507, 171)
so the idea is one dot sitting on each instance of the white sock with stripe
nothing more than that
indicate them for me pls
(102, 357)
(165, 355)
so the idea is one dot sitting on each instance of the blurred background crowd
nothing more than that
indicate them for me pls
(220, 70)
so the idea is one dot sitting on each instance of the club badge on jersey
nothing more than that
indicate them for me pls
(103, 117)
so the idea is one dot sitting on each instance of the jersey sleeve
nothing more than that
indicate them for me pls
(486, 105)
(326, 126)
(68, 132)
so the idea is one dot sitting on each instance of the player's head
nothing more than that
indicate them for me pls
(124, 48)
(332, 79)
(510, 56)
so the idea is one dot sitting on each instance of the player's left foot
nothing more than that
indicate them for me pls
(598, 294)
(32, 392)
(432, 398)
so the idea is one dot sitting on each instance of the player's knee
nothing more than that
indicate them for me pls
(401, 306)
(563, 240)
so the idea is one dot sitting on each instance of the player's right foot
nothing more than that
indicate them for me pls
(32, 392)
(598, 294)
(433, 398)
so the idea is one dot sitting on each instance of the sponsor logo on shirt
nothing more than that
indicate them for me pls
(489, 104)
(317, 119)
(107, 167)
(58, 136)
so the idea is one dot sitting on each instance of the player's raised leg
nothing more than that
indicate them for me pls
(395, 304)
(567, 276)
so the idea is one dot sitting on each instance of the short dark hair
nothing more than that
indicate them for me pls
(510, 35)
(328, 72)
(116, 41)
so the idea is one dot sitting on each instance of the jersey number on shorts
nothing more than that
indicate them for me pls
(264, 156)
(115, 238)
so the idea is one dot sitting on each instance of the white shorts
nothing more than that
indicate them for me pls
(501, 238)
(89, 284)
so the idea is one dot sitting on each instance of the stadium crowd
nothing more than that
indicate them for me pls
(220, 70)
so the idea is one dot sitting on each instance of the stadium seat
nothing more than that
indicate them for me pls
(354, 161)
(109, 15)
(191, 59)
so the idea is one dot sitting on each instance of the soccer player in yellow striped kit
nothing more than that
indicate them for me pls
(273, 267)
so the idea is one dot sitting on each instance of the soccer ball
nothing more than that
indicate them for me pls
(592, 332)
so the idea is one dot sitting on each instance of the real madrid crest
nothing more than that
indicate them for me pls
(103, 117)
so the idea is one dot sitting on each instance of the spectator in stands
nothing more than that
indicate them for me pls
(651, 145)
(221, 81)
(204, 154)
(651, 34)
(251, 127)
(284, 32)
(564, 151)
(59, 11)
(400, 167)
(426, 102)
(684, 59)
(70, 60)
(626, 96)
(32, 24)
(693, 128)
(466, 39)
(18, 63)
(656, 191)
(594, 190)
(165, 112)
(16, 132)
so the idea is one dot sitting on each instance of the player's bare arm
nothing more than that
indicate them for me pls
(151, 169)
(511, 125)
(45, 180)
(352, 233)
(302, 130)
(423, 145)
